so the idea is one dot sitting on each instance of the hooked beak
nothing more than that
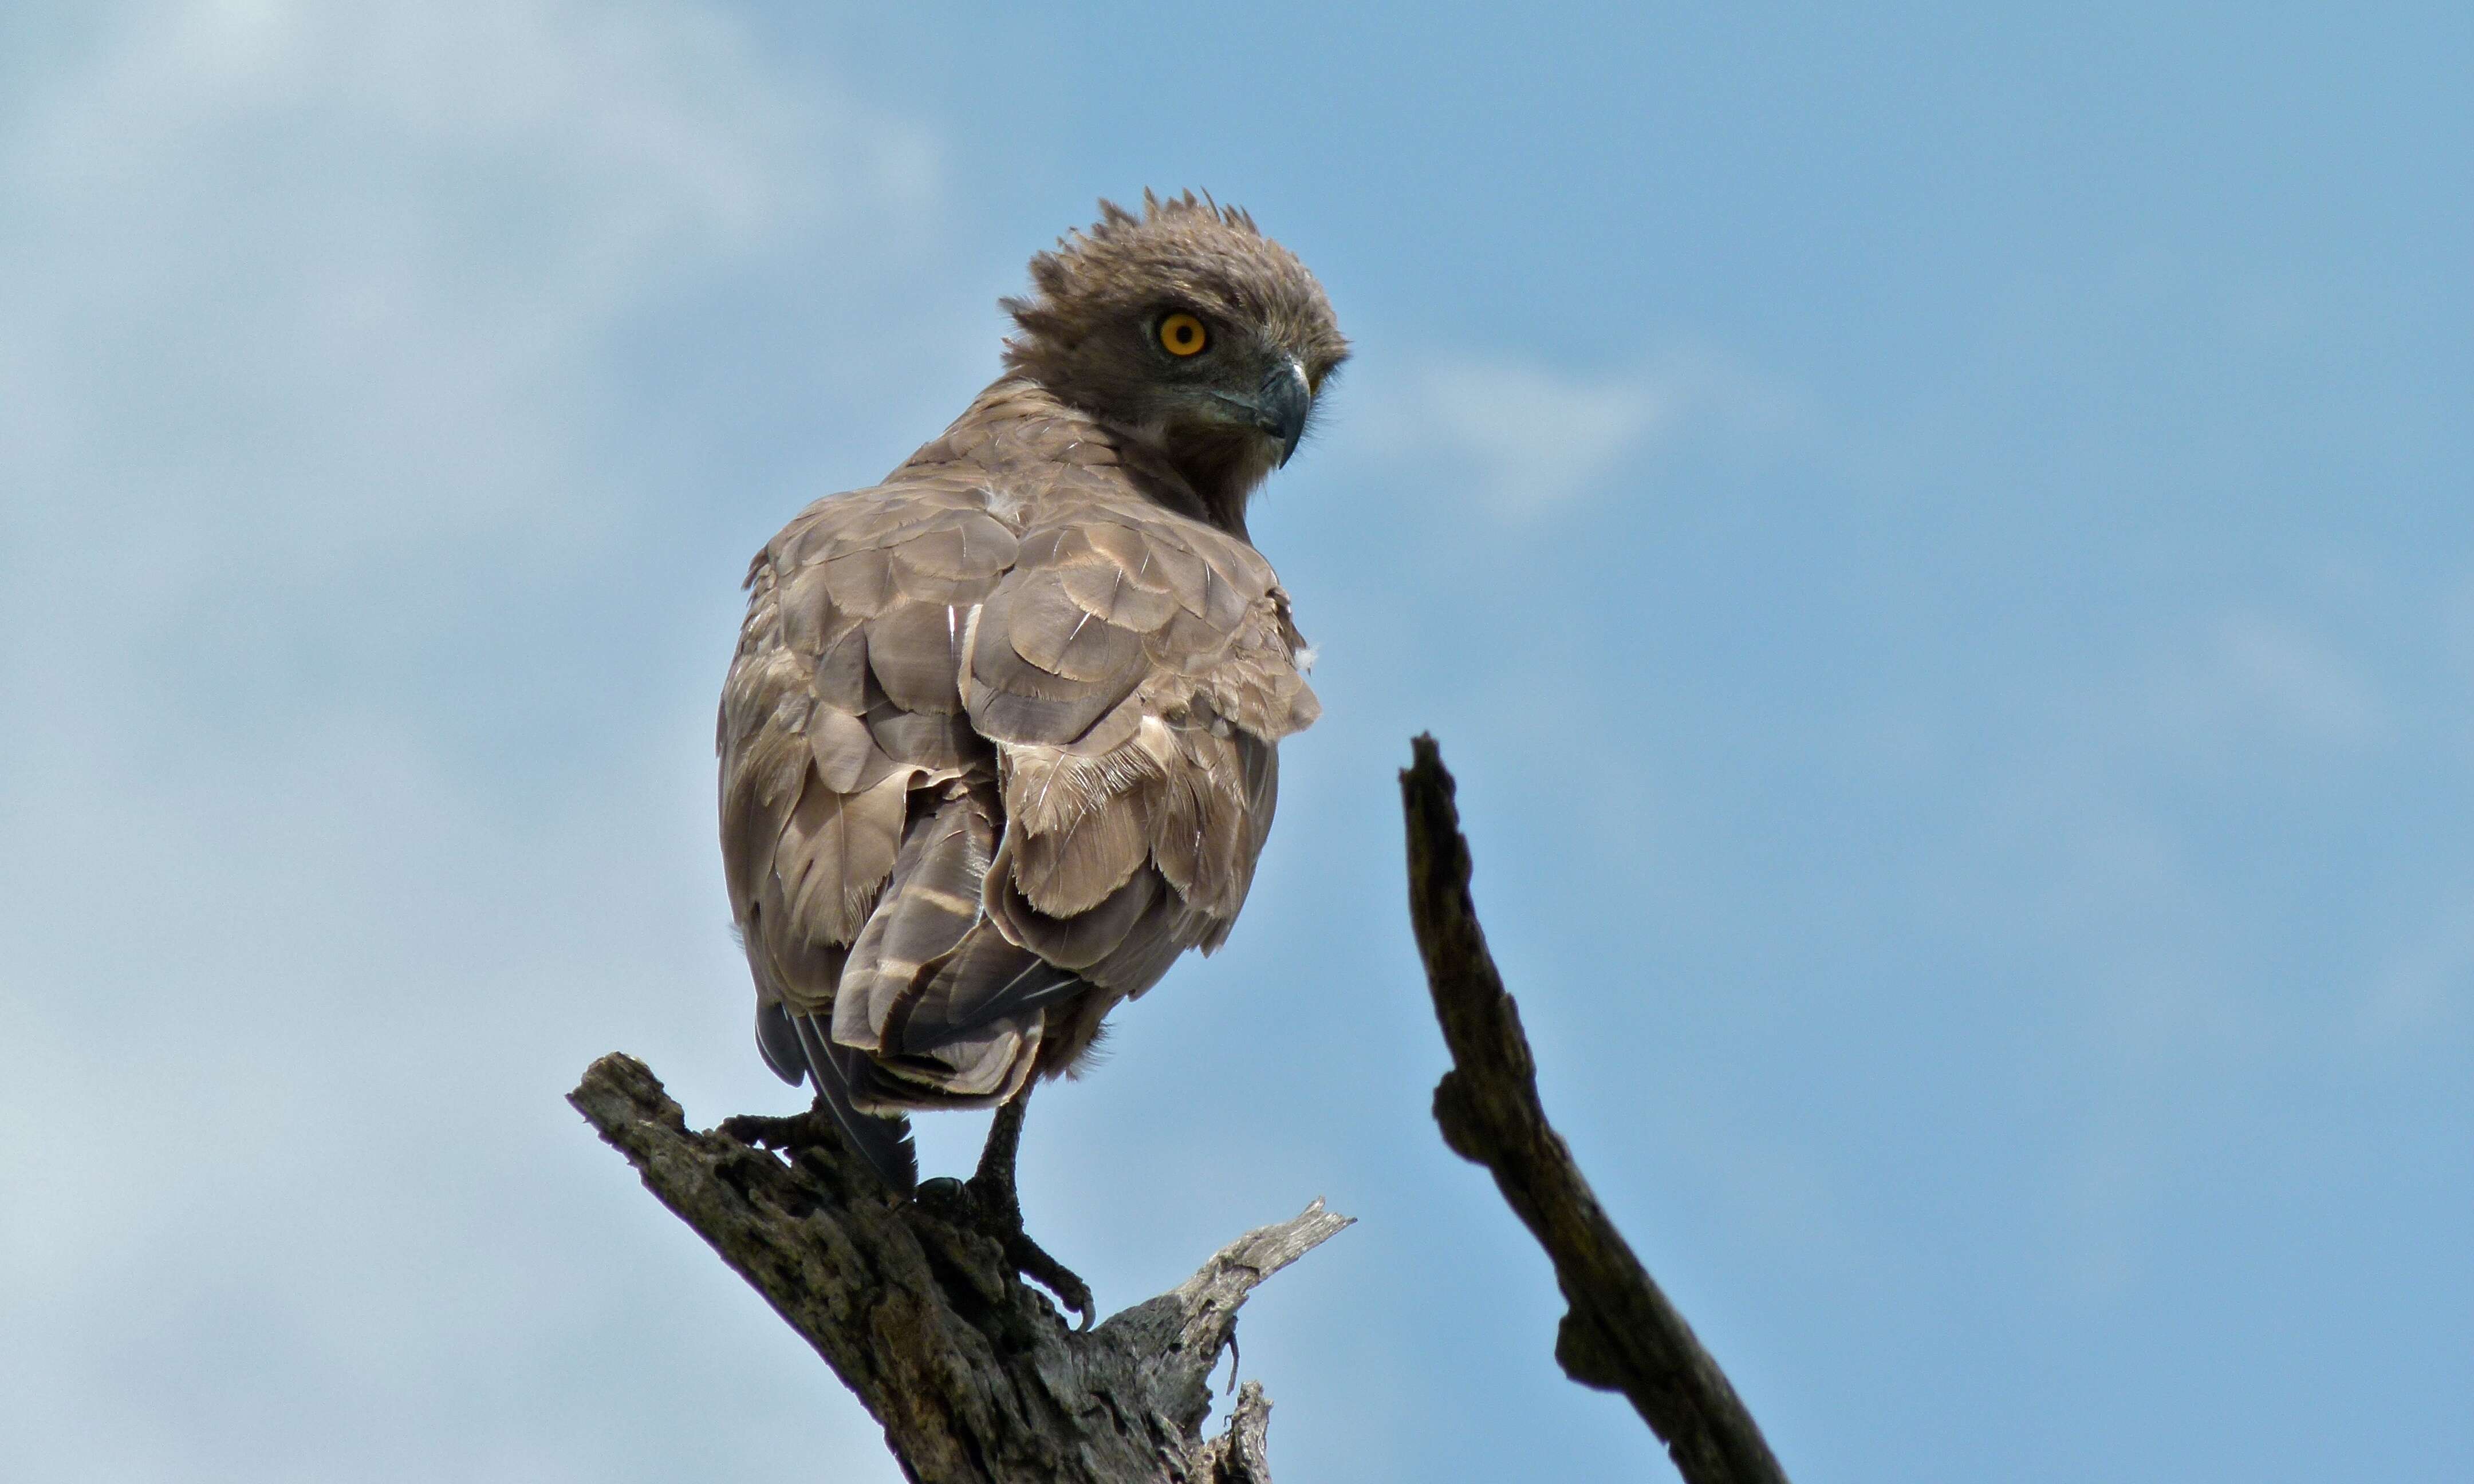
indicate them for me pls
(1283, 408)
(1278, 407)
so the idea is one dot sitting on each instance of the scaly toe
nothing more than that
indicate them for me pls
(989, 1208)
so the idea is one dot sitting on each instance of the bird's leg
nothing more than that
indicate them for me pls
(997, 1208)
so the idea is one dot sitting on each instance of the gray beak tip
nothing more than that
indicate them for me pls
(1287, 399)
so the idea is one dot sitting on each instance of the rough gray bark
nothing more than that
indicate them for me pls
(1620, 1333)
(973, 1374)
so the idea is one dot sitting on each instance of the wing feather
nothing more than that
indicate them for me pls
(997, 747)
(914, 652)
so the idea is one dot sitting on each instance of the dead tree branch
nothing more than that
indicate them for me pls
(974, 1375)
(1620, 1333)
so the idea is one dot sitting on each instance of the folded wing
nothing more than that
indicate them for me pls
(989, 764)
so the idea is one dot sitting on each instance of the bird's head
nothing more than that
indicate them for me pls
(1185, 328)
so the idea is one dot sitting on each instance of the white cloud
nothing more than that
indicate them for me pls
(2257, 679)
(1536, 438)
(2428, 982)
(2115, 830)
(308, 314)
(290, 282)
(1521, 438)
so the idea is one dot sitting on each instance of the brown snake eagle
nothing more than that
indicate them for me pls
(1000, 740)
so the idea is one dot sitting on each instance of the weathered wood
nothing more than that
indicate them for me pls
(972, 1373)
(1236, 1456)
(1620, 1333)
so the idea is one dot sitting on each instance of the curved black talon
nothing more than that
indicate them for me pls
(1002, 1218)
(1055, 1277)
(988, 1203)
(991, 1209)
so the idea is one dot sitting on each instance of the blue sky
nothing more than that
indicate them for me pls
(1938, 542)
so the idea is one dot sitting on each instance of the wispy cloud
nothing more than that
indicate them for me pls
(2115, 828)
(308, 312)
(290, 281)
(1521, 437)
(2256, 678)
(2428, 981)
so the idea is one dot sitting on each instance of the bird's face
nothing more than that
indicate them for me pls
(1220, 390)
(1224, 394)
(1189, 330)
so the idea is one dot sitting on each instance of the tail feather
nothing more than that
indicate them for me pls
(937, 1005)
(980, 988)
(922, 920)
(884, 1142)
(777, 1039)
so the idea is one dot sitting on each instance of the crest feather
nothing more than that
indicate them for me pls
(1185, 248)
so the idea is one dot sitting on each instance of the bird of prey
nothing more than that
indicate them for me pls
(1000, 740)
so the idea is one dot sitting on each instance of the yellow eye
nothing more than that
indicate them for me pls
(1182, 334)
